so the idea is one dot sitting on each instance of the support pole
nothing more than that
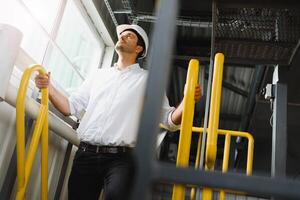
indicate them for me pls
(279, 128)
(158, 64)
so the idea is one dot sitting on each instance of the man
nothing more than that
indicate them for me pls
(112, 98)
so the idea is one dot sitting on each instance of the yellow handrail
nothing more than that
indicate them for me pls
(250, 150)
(212, 133)
(24, 167)
(228, 134)
(186, 124)
(214, 116)
(207, 193)
(214, 112)
(197, 164)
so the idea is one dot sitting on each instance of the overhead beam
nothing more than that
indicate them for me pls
(294, 53)
(234, 61)
(247, 61)
(248, 112)
(230, 117)
(254, 42)
(259, 4)
(233, 88)
(179, 21)
(250, 104)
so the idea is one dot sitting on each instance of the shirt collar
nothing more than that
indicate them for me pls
(128, 68)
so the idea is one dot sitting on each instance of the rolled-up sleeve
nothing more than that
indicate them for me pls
(166, 120)
(167, 111)
(79, 99)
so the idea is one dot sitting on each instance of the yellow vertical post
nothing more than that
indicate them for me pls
(193, 190)
(207, 194)
(24, 166)
(214, 112)
(214, 115)
(44, 151)
(250, 155)
(186, 124)
(225, 161)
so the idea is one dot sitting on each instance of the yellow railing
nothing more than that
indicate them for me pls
(228, 134)
(207, 193)
(186, 124)
(214, 112)
(24, 166)
(212, 131)
(213, 123)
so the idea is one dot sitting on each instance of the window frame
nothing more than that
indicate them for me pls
(24, 59)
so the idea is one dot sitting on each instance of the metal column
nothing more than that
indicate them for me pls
(149, 170)
(209, 83)
(208, 89)
(279, 128)
(158, 64)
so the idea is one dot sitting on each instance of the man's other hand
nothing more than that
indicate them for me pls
(198, 93)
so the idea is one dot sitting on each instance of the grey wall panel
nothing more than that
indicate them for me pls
(7, 138)
(57, 148)
(64, 192)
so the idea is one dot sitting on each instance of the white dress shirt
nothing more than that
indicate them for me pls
(113, 100)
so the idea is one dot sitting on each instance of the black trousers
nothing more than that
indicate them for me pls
(93, 171)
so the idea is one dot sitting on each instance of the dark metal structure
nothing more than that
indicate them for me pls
(254, 36)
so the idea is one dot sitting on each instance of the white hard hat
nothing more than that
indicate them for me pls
(139, 30)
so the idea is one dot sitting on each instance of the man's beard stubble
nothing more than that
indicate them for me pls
(121, 48)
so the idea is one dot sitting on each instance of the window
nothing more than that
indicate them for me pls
(34, 41)
(62, 72)
(44, 11)
(56, 34)
(79, 43)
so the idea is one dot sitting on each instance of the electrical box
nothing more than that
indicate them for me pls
(269, 91)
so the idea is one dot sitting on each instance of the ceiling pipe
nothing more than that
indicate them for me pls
(113, 17)
(179, 22)
(129, 6)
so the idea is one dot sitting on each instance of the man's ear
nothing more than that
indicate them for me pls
(139, 49)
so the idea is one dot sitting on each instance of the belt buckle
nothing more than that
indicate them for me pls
(83, 148)
(97, 149)
(112, 150)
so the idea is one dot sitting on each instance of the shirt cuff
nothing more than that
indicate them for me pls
(172, 126)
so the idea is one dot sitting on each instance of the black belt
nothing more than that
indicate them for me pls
(103, 149)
